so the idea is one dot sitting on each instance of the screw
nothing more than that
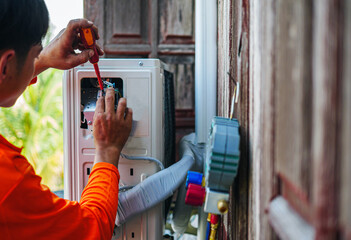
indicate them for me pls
(141, 63)
(90, 122)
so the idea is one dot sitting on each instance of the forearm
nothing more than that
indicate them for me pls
(100, 195)
(39, 66)
(108, 155)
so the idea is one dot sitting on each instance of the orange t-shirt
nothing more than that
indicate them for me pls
(29, 210)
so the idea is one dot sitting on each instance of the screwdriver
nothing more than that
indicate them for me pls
(88, 38)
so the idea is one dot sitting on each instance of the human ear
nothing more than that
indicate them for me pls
(4, 62)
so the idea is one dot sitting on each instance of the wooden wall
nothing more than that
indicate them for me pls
(344, 146)
(233, 68)
(153, 29)
(292, 59)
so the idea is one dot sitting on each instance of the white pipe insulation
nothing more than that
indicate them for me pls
(205, 66)
(205, 77)
(155, 188)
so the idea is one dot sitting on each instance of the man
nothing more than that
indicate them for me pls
(28, 210)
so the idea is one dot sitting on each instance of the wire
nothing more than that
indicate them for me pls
(158, 162)
(234, 99)
(232, 104)
(108, 84)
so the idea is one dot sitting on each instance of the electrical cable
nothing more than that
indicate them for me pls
(158, 162)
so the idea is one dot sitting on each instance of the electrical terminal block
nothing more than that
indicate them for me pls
(216, 202)
(90, 92)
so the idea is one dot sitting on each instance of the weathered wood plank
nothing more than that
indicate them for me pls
(233, 65)
(225, 79)
(345, 129)
(268, 180)
(127, 22)
(225, 54)
(262, 82)
(184, 85)
(293, 92)
(94, 11)
(255, 119)
(177, 21)
(184, 88)
(126, 17)
(153, 28)
(326, 80)
(239, 199)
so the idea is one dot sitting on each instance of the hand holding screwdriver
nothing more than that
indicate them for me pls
(60, 52)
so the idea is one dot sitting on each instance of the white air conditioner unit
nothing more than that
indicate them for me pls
(141, 82)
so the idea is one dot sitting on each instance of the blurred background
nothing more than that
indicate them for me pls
(35, 122)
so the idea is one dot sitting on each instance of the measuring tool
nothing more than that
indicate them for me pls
(88, 38)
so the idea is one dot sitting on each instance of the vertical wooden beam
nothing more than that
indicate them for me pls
(326, 81)
(225, 85)
(153, 28)
(95, 12)
(233, 66)
(225, 53)
(240, 199)
(255, 133)
(268, 184)
(345, 129)
(293, 92)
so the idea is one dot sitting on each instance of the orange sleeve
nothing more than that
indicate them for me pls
(32, 211)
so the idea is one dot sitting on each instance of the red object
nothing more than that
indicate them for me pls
(87, 36)
(97, 71)
(33, 81)
(195, 195)
(214, 218)
(29, 210)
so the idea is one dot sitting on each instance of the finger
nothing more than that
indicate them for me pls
(121, 108)
(100, 105)
(110, 100)
(75, 24)
(85, 23)
(80, 58)
(81, 47)
(73, 27)
(99, 49)
(129, 116)
(96, 32)
(60, 33)
(78, 45)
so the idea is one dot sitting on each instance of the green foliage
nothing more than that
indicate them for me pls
(36, 124)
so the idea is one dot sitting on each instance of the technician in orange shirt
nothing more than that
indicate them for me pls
(29, 210)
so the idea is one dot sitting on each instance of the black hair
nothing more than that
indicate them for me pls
(23, 24)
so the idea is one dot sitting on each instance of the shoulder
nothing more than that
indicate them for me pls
(13, 167)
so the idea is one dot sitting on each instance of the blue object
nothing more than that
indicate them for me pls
(194, 177)
(208, 230)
